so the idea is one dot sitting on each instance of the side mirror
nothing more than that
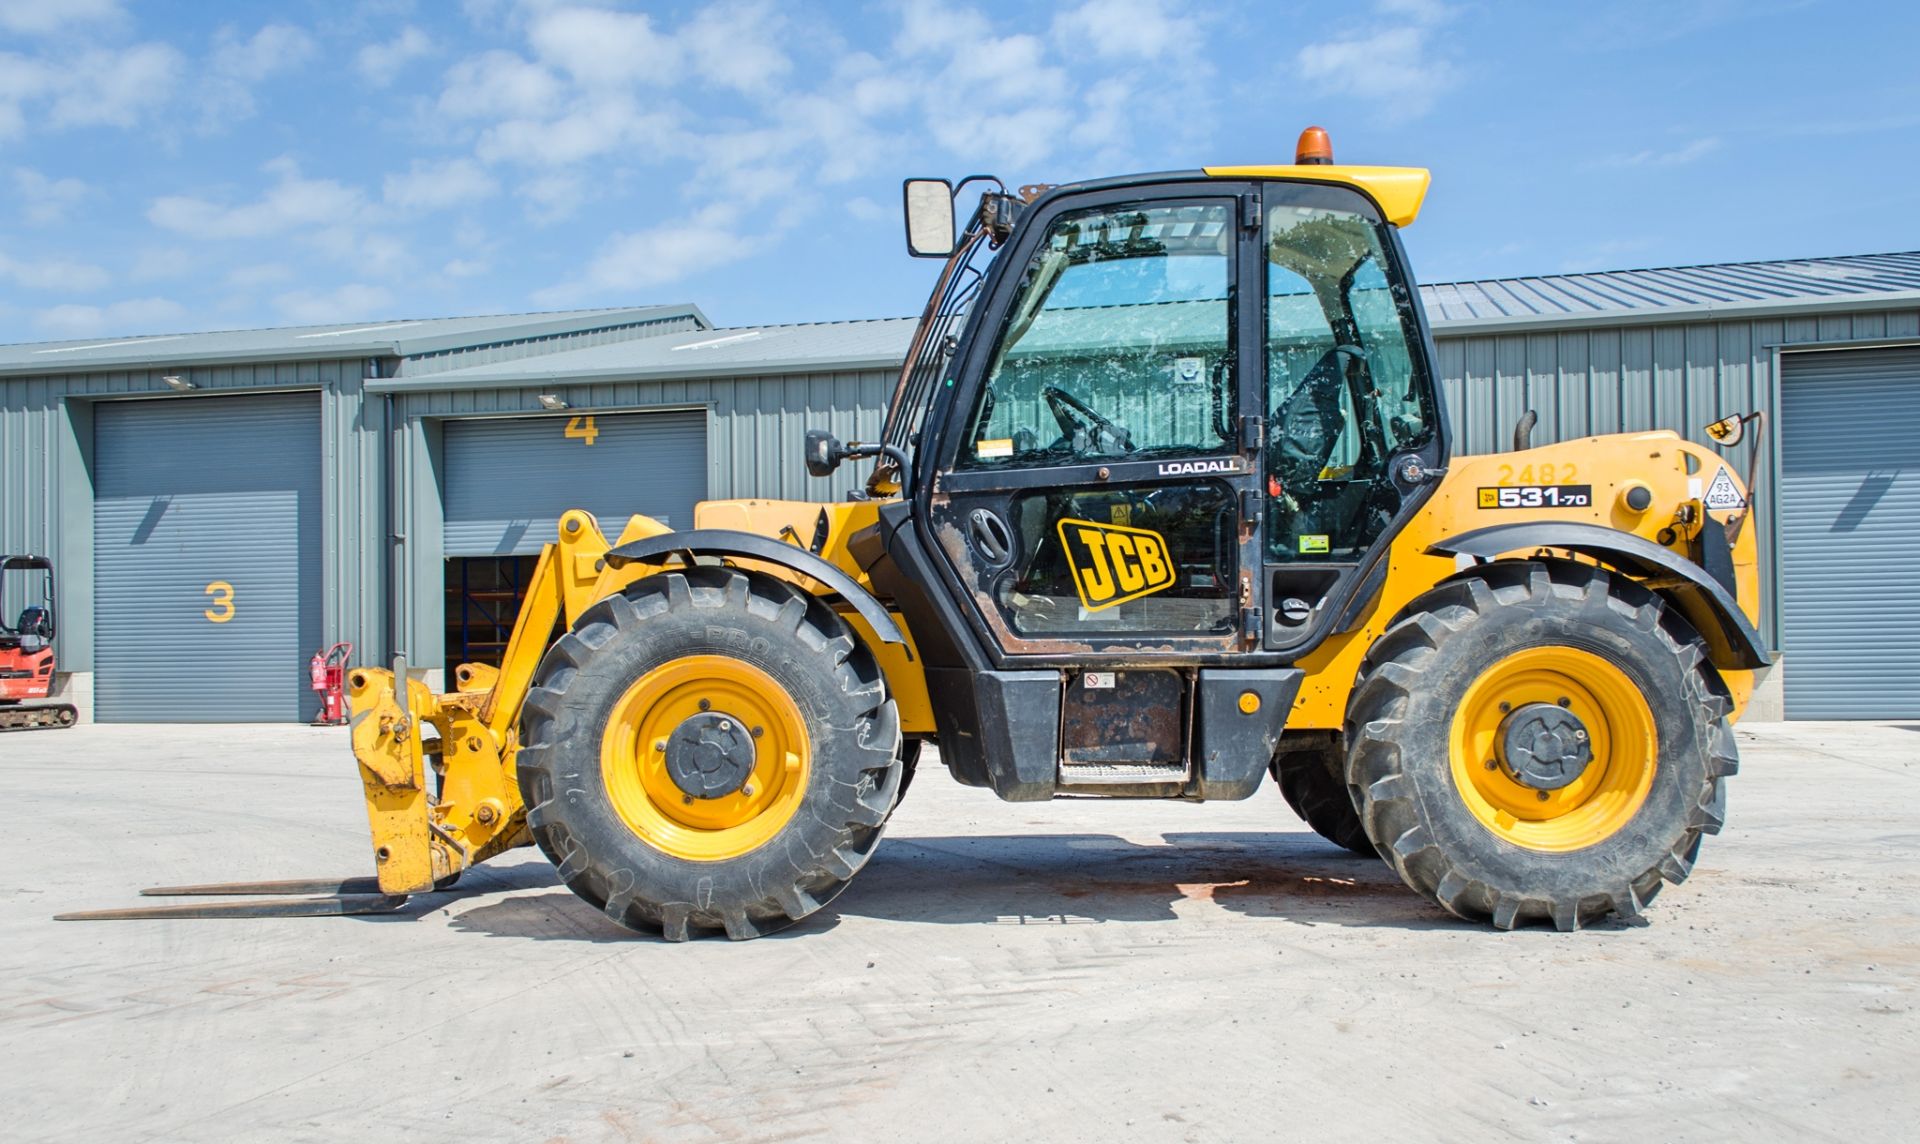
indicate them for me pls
(823, 453)
(929, 211)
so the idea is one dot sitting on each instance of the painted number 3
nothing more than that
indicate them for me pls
(222, 594)
(581, 429)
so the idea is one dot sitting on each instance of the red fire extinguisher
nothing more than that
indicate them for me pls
(327, 672)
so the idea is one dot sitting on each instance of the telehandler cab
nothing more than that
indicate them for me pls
(1164, 504)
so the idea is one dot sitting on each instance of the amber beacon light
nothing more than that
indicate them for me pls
(1314, 148)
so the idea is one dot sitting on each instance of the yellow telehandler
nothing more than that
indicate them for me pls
(1164, 504)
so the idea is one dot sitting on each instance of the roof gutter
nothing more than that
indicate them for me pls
(453, 380)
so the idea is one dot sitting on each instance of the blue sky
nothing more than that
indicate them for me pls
(170, 166)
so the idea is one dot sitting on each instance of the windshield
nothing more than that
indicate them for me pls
(1119, 341)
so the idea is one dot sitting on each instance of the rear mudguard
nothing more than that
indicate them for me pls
(1732, 642)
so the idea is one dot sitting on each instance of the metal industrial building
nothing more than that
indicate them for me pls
(221, 505)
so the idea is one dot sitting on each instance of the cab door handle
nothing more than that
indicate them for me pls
(990, 536)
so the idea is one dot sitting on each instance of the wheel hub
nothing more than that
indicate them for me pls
(710, 755)
(1543, 746)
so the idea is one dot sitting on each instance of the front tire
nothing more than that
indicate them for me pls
(709, 676)
(1431, 754)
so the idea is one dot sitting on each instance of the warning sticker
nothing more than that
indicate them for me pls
(1723, 493)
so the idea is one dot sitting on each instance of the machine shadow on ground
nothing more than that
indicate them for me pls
(1062, 879)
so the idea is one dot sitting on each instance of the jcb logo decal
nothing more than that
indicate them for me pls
(1113, 564)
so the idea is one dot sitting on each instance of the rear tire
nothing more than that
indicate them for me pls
(598, 792)
(1313, 781)
(1444, 816)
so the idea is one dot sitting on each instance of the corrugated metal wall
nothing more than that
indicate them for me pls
(1611, 379)
(1582, 380)
(46, 494)
(758, 427)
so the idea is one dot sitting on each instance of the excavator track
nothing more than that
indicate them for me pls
(43, 717)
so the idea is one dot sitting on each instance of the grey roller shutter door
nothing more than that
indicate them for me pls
(1850, 533)
(191, 494)
(508, 480)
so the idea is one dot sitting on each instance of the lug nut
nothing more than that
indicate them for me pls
(1541, 795)
(758, 731)
(687, 798)
(1493, 764)
(747, 790)
(1505, 706)
(660, 745)
(705, 706)
(1565, 702)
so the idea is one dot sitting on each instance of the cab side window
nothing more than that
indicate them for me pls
(1341, 395)
(1118, 344)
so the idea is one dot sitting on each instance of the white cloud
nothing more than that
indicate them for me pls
(1668, 157)
(92, 87)
(552, 196)
(1139, 29)
(41, 17)
(607, 124)
(239, 64)
(1393, 67)
(294, 203)
(435, 186)
(498, 85)
(465, 267)
(113, 87)
(738, 46)
(674, 250)
(378, 63)
(353, 302)
(602, 48)
(45, 201)
(274, 48)
(133, 316)
(56, 275)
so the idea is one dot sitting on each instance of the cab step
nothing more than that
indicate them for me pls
(1121, 774)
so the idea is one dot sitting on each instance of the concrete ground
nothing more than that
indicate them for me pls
(1067, 971)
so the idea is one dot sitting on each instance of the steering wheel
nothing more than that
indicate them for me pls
(1076, 418)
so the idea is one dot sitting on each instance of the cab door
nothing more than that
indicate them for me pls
(1097, 496)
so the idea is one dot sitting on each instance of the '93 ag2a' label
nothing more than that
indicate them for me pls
(1536, 496)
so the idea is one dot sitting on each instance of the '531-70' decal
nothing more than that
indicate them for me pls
(1536, 496)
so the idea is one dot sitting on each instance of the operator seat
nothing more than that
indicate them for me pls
(35, 621)
(1306, 430)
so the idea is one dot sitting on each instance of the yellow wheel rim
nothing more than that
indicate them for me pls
(1606, 795)
(633, 759)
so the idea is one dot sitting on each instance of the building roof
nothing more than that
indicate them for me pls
(745, 351)
(296, 343)
(1747, 289)
(1671, 293)
(1676, 293)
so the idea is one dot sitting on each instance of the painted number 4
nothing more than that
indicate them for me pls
(581, 429)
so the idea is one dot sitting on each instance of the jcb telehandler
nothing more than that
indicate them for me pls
(1164, 504)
